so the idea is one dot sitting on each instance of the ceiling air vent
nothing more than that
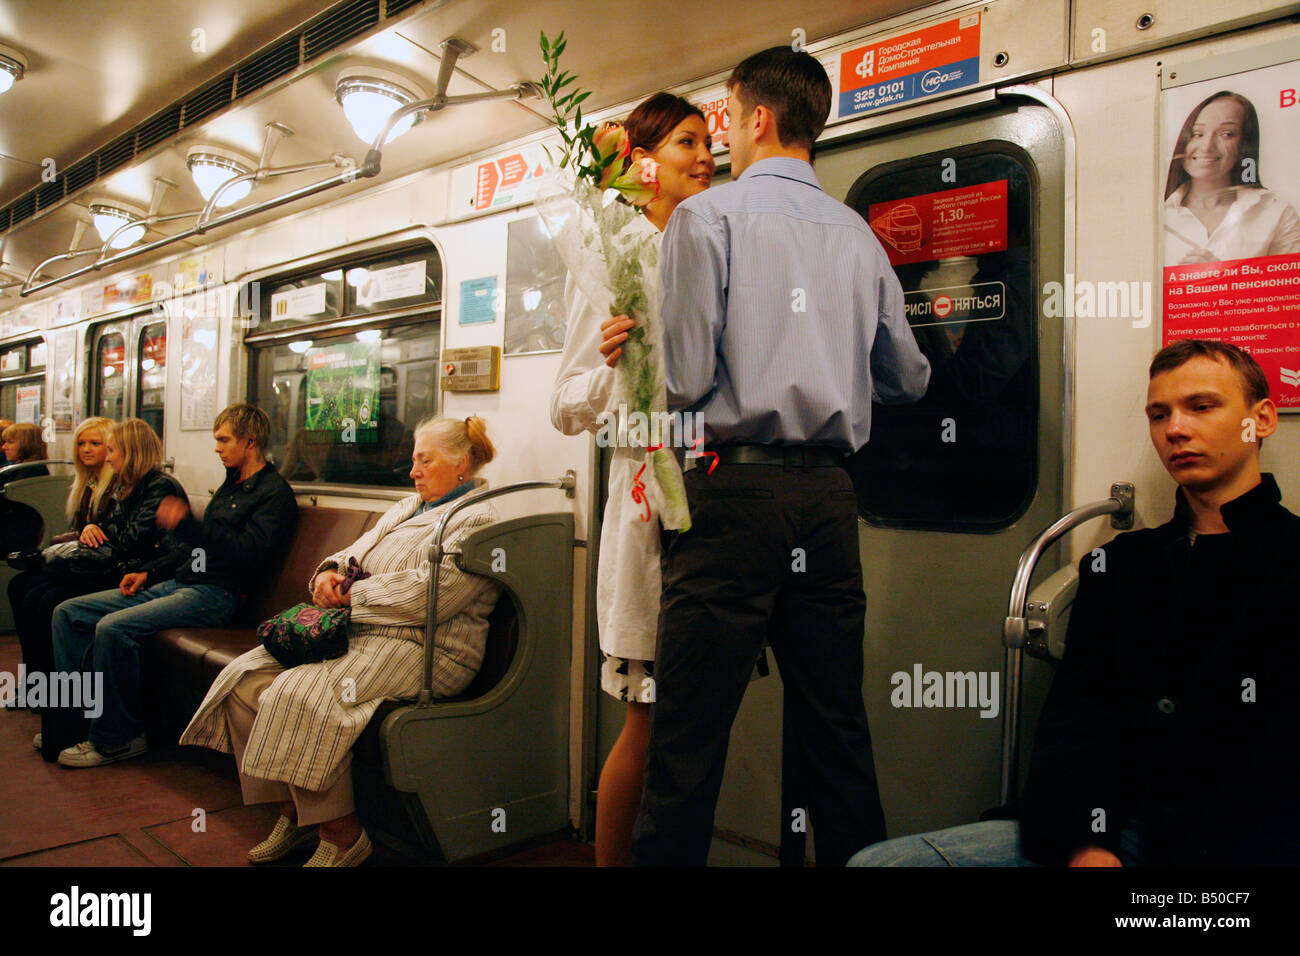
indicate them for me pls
(213, 97)
(158, 128)
(394, 7)
(82, 174)
(116, 153)
(342, 24)
(49, 194)
(24, 208)
(261, 69)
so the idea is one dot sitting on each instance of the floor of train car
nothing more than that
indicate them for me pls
(140, 812)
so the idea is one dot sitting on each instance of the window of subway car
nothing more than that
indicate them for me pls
(344, 396)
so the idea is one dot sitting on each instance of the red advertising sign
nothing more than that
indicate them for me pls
(1253, 303)
(715, 115)
(513, 169)
(955, 222)
(487, 185)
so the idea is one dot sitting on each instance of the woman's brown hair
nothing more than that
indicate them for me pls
(31, 444)
(651, 122)
(141, 453)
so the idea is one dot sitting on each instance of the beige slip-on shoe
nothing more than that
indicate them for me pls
(286, 837)
(327, 854)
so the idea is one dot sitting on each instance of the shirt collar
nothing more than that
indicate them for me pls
(785, 167)
(1246, 196)
(1254, 510)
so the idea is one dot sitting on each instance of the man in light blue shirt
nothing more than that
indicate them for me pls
(782, 321)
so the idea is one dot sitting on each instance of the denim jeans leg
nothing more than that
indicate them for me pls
(992, 843)
(116, 643)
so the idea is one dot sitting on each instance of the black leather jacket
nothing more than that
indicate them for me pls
(130, 524)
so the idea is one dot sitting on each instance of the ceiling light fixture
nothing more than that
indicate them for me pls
(212, 166)
(370, 95)
(12, 67)
(109, 217)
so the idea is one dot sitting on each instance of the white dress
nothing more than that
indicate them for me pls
(628, 582)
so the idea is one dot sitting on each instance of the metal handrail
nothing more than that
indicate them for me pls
(1015, 628)
(566, 484)
(34, 462)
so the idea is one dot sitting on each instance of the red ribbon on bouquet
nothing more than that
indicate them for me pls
(638, 489)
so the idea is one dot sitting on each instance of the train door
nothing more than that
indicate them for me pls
(128, 377)
(973, 214)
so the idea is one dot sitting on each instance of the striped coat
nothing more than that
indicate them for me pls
(308, 720)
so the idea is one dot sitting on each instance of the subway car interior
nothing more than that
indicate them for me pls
(336, 212)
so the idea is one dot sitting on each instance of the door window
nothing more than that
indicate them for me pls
(959, 232)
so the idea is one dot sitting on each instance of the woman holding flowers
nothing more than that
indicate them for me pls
(664, 148)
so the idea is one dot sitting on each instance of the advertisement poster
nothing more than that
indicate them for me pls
(343, 393)
(1230, 232)
(199, 366)
(498, 183)
(933, 59)
(955, 222)
(65, 369)
(28, 404)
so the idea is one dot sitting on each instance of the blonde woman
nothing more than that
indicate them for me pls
(290, 731)
(124, 544)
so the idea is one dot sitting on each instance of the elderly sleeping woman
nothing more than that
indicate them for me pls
(292, 730)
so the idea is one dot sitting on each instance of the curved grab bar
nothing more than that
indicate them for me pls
(38, 461)
(1015, 629)
(566, 484)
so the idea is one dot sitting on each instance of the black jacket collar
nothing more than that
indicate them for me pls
(1256, 510)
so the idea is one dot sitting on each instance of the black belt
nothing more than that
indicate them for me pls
(788, 456)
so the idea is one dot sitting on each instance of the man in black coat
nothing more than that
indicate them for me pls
(1171, 735)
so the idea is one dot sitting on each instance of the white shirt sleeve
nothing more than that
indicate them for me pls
(584, 385)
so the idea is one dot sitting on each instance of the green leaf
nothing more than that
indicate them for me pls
(582, 96)
(577, 119)
(559, 47)
(567, 82)
(546, 50)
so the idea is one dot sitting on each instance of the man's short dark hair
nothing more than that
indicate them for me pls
(247, 423)
(1253, 380)
(793, 85)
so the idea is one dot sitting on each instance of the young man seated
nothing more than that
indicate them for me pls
(200, 584)
(1171, 735)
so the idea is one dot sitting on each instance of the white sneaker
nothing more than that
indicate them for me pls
(86, 754)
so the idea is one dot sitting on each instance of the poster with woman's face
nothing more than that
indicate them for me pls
(1230, 225)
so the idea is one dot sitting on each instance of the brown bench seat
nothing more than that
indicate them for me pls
(180, 664)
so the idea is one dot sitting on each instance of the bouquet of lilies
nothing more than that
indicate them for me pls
(612, 253)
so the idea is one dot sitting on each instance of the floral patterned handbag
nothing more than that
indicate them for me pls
(306, 634)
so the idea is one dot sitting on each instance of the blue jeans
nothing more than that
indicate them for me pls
(993, 843)
(109, 625)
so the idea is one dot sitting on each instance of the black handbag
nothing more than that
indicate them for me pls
(63, 562)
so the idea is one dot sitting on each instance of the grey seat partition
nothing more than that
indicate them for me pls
(494, 770)
(47, 495)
